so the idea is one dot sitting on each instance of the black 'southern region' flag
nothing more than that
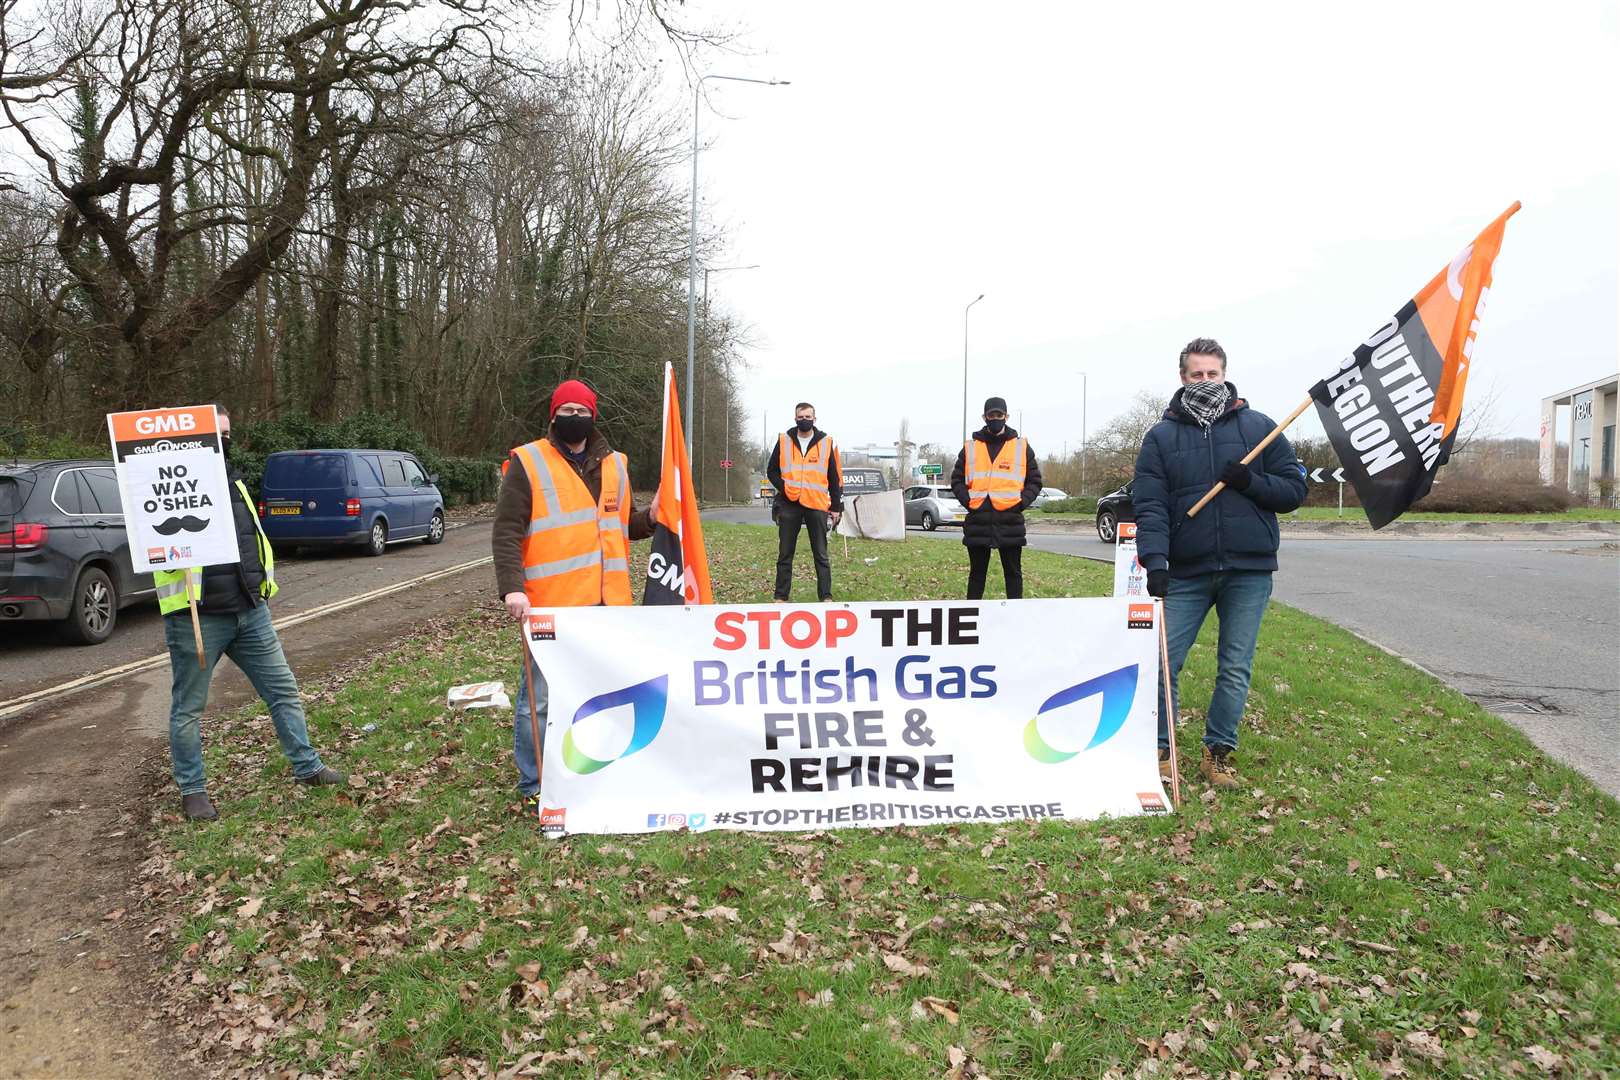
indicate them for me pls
(1391, 410)
(678, 568)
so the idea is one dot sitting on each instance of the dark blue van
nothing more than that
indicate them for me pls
(314, 498)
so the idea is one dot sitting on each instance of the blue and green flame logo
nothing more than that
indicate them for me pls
(648, 699)
(1118, 689)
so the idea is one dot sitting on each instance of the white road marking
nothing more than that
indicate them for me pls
(99, 678)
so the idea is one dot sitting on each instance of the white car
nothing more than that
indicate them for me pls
(932, 506)
(1049, 495)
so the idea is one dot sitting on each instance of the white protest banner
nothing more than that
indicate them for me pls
(171, 478)
(872, 714)
(1129, 577)
(878, 515)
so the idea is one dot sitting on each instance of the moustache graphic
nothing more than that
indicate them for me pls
(175, 524)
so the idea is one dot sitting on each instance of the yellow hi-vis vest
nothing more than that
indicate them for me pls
(177, 588)
(576, 552)
(1001, 480)
(804, 477)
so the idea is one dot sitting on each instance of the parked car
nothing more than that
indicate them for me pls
(64, 555)
(858, 480)
(931, 506)
(1112, 509)
(371, 498)
(1049, 495)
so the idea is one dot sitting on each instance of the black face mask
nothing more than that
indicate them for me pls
(225, 446)
(805, 426)
(995, 427)
(573, 429)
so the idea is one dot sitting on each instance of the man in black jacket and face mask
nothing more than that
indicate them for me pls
(996, 477)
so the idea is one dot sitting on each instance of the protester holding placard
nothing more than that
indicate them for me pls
(997, 477)
(1224, 557)
(233, 616)
(563, 525)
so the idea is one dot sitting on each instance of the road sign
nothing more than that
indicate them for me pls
(1336, 476)
(930, 470)
(726, 464)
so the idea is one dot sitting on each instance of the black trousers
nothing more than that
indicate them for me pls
(790, 516)
(1012, 569)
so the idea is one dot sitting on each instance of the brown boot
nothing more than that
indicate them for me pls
(1164, 763)
(198, 807)
(1216, 767)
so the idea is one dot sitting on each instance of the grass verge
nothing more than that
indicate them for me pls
(1403, 885)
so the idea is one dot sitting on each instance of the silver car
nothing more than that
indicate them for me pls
(931, 506)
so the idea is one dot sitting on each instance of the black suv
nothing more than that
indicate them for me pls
(64, 556)
(1112, 509)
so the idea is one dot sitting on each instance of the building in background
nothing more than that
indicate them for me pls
(1592, 408)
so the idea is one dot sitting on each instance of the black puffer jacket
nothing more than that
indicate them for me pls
(1179, 463)
(232, 587)
(988, 527)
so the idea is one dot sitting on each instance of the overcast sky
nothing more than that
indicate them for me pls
(1119, 179)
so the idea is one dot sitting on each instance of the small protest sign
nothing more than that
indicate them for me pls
(1129, 577)
(172, 481)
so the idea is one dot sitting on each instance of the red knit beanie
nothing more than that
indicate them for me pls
(573, 392)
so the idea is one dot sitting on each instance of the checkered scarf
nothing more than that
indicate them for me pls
(1205, 401)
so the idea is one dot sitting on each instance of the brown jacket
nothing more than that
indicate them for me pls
(513, 511)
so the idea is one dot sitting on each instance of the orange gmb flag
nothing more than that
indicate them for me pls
(678, 567)
(1450, 307)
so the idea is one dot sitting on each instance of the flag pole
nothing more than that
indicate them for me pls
(534, 710)
(1169, 710)
(1250, 456)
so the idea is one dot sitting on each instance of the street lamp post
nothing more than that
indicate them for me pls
(691, 255)
(1083, 434)
(965, 311)
(703, 468)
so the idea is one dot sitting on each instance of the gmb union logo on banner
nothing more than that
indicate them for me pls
(647, 700)
(1117, 689)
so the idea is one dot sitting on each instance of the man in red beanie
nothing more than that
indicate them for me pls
(563, 526)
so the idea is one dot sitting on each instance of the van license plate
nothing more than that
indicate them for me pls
(293, 510)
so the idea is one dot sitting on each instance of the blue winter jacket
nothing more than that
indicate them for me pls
(1179, 462)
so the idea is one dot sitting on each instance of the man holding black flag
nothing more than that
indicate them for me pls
(805, 470)
(1225, 556)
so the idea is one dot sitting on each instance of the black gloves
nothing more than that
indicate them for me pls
(1158, 583)
(1237, 476)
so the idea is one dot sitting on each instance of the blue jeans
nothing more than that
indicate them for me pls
(249, 640)
(523, 731)
(1239, 599)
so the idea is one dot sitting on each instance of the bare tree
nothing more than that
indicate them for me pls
(150, 87)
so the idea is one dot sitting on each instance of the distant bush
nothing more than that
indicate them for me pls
(1486, 497)
(1073, 505)
(462, 480)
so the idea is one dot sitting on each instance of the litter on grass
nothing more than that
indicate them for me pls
(479, 695)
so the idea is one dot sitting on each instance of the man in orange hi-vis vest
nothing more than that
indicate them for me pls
(563, 526)
(996, 477)
(805, 470)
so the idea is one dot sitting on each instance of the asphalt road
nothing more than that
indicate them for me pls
(85, 771)
(1530, 629)
(31, 657)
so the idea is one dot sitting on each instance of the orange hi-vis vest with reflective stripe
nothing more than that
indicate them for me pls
(1001, 480)
(804, 476)
(576, 552)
